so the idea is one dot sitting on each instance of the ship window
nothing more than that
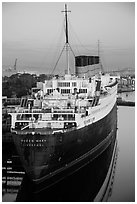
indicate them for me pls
(63, 116)
(49, 91)
(82, 90)
(24, 102)
(71, 117)
(37, 116)
(74, 84)
(24, 116)
(63, 84)
(65, 91)
(55, 117)
(19, 117)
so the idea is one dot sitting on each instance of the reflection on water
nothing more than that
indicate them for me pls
(106, 190)
(124, 185)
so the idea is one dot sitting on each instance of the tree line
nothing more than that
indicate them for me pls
(18, 85)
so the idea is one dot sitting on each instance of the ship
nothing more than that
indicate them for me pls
(67, 121)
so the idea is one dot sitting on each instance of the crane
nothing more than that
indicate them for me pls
(15, 64)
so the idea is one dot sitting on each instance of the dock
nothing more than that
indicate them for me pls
(122, 102)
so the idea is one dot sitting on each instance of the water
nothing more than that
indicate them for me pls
(124, 184)
(121, 188)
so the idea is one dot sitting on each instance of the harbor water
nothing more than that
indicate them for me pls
(116, 183)
(124, 184)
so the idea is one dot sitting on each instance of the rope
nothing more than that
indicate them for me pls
(57, 60)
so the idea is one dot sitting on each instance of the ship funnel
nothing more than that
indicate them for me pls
(87, 65)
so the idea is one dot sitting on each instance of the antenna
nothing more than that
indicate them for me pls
(99, 50)
(99, 57)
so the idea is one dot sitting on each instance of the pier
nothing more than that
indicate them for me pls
(122, 102)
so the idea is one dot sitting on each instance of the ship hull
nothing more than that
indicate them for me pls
(52, 157)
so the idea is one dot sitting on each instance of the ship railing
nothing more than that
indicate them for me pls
(12, 101)
(39, 111)
(63, 119)
(43, 131)
(23, 119)
(46, 120)
(52, 120)
(31, 111)
(38, 131)
(48, 110)
(63, 111)
(23, 111)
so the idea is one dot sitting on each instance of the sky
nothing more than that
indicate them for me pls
(34, 34)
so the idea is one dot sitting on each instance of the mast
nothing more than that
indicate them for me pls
(99, 57)
(67, 43)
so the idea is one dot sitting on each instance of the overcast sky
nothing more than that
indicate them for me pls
(34, 33)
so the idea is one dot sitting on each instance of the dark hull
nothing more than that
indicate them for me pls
(53, 157)
(82, 186)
